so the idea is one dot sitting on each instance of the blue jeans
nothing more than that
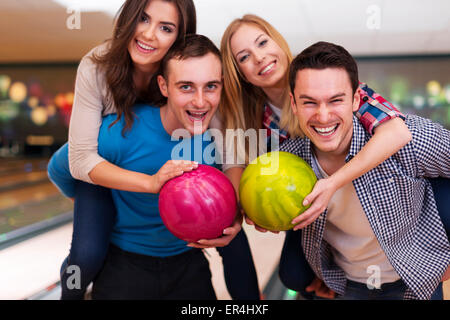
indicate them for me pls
(93, 220)
(295, 272)
(360, 291)
(441, 190)
(388, 291)
(94, 216)
(239, 269)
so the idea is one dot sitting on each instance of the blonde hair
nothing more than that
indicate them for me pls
(242, 103)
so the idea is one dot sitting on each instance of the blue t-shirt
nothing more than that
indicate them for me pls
(145, 148)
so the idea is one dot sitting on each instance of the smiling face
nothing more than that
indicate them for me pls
(193, 87)
(324, 105)
(260, 59)
(155, 33)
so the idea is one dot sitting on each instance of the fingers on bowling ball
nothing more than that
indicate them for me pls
(199, 204)
(272, 197)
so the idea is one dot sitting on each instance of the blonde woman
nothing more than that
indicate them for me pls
(256, 58)
(256, 61)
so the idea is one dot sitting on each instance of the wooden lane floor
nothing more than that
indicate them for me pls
(17, 165)
(18, 180)
(30, 205)
(24, 195)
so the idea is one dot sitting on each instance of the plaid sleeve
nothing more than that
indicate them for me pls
(374, 109)
(293, 146)
(431, 143)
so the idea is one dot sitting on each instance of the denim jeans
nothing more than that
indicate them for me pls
(441, 190)
(360, 291)
(389, 291)
(295, 272)
(94, 216)
(93, 220)
(239, 269)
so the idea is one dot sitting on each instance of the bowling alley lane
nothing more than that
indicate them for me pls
(29, 205)
(408, 63)
(21, 165)
(13, 181)
(27, 197)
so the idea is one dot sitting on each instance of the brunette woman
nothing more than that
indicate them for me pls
(112, 78)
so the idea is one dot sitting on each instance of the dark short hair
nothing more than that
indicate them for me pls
(193, 46)
(322, 55)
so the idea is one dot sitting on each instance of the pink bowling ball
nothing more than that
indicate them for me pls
(198, 205)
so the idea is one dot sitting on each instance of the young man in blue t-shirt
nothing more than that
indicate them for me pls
(145, 261)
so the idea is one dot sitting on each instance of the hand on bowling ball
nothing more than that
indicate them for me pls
(171, 169)
(250, 222)
(320, 289)
(319, 197)
(228, 235)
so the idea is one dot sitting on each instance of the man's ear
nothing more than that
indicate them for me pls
(163, 86)
(293, 103)
(356, 100)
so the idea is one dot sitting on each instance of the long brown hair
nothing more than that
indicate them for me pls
(117, 63)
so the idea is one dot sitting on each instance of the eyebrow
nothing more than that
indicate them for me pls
(256, 40)
(262, 34)
(163, 22)
(191, 83)
(183, 82)
(338, 95)
(169, 23)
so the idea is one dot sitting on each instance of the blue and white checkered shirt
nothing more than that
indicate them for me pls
(399, 205)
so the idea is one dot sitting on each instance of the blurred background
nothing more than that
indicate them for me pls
(402, 48)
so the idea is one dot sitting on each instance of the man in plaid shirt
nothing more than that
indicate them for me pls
(386, 221)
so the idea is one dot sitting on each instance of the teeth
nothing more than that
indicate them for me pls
(198, 115)
(270, 66)
(325, 131)
(143, 46)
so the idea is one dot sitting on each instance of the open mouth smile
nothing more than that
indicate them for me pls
(144, 47)
(267, 69)
(196, 115)
(326, 131)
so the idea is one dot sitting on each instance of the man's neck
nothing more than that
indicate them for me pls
(167, 120)
(329, 163)
(333, 161)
